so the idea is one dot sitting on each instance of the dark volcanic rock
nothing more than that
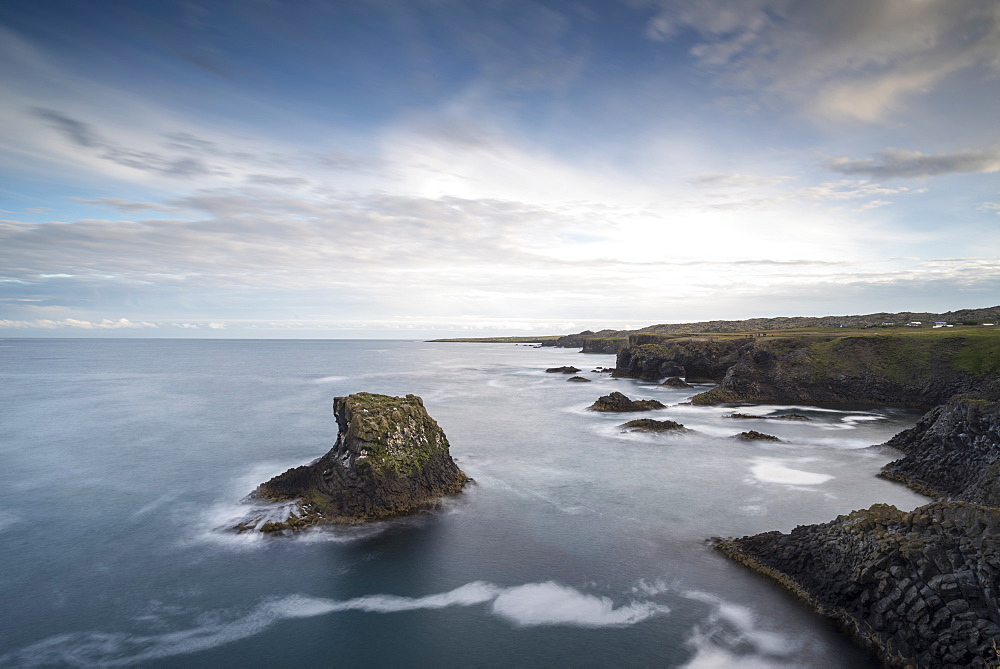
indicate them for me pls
(918, 588)
(676, 382)
(390, 458)
(697, 359)
(888, 370)
(784, 416)
(651, 425)
(954, 451)
(619, 402)
(579, 379)
(754, 435)
(603, 344)
(562, 370)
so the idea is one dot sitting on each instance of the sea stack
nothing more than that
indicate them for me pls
(390, 458)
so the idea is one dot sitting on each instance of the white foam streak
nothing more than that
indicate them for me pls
(549, 603)
(730, 630)
(768, 471)
(527, 605)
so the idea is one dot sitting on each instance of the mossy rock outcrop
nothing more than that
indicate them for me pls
(616, 401)
(390, 458)
(918, 588)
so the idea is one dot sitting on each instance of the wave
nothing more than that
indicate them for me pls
(730, 637)
(773, 471)
(529, 605)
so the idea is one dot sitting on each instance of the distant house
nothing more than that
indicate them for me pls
(887, 324)
(914, 324)
(989, 323)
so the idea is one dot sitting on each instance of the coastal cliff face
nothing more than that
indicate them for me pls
(918, 588)
(653, 357)
(390, 458)
(890, 370)
(954, 451)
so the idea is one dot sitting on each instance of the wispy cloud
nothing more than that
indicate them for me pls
(853, 59)
(893, 163)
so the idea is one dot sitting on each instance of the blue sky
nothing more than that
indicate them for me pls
(406, 169)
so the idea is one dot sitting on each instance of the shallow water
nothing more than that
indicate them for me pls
(580, 545)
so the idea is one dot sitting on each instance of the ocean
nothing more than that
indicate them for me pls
(124, 463)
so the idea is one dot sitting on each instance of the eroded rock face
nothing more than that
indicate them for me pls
(887, 370)
(390, 458)
(919, 588)
(616, 401)
(954, 451)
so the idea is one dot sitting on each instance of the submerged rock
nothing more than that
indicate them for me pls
(579, 379)
(918, 588)
(616, 401)
(676, 382)
(754, 435)
(390, 458)
(652, 425)
(784, 416)
(562, 370)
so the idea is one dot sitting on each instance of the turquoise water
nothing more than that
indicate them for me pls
(123, 463)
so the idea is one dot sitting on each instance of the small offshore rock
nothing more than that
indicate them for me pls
(562, 370)
(652, 425)
(616, 401)
(579, 379)
(676, 382)
(784, 416)
(754, 435)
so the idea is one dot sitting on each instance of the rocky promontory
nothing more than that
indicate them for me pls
(954, 451)
(390, 458)
(918, 588)
(914, 369)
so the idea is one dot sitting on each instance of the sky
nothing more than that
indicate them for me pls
(418, 168)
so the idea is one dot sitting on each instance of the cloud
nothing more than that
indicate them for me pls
(893, 163)
(127, 206)
(76, 131)
(106, 324)
(853, 59)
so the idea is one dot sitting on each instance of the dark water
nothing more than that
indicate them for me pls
(122, 461)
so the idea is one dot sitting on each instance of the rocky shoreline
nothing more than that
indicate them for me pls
(920, 588)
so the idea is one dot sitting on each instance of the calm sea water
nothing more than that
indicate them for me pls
(122, 463)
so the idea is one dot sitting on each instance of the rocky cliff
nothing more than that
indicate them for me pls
(917, 588)
(954, 451)
(696, 358)
(390, 458)
(919, 369)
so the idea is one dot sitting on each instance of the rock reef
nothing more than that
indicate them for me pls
(390, 458)
(653, 425)
(616, 401)
(917, 588)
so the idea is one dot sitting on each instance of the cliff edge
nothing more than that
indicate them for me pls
(390, 458)
(917, 588)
